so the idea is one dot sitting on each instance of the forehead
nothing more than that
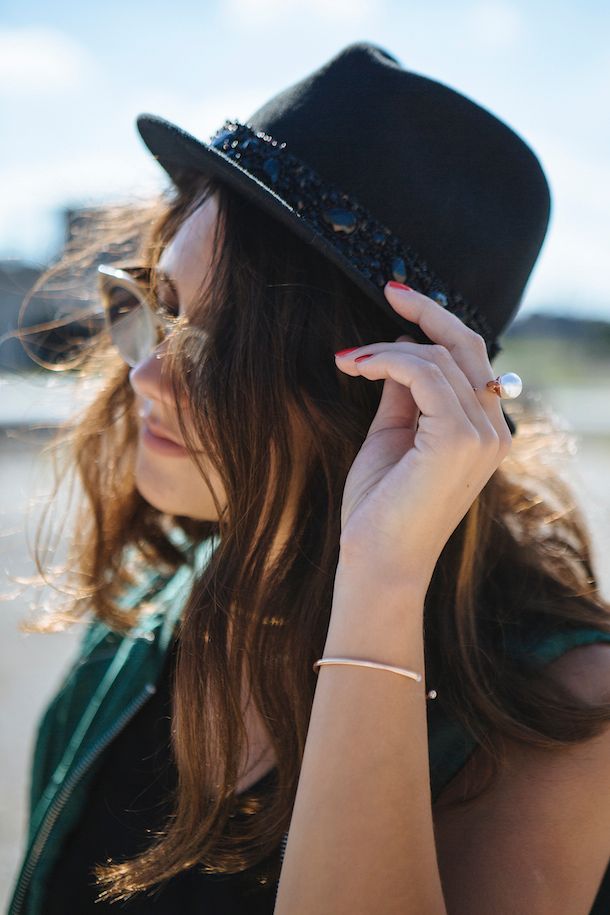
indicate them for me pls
(188, 256)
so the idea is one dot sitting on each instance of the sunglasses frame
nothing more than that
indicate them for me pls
(136, 280)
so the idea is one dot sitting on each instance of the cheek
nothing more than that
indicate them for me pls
(183, 410)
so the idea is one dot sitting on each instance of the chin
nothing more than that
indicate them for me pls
(163, 504)
(159, 489)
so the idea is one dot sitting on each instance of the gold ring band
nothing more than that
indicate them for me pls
(506, 386)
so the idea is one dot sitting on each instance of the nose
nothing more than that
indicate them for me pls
(148, 378)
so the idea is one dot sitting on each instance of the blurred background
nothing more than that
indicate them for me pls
(72, 79)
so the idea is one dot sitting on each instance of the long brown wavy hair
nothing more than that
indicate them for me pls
(272, 315)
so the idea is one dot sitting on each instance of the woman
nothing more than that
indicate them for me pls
(254, 508)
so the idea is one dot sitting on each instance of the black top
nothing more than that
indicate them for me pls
(129, 796)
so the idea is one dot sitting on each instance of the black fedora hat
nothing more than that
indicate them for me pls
(390, 175)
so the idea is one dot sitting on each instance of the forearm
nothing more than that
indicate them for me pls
(361, 837)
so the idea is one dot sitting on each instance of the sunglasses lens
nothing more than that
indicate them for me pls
(131, 324)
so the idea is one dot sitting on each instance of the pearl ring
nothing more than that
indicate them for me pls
(507, 386)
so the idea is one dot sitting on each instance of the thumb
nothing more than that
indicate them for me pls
(397, 407)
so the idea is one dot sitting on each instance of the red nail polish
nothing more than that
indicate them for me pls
(400, 286)
(343, 352)
(365, 356)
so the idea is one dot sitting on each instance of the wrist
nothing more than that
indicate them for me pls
(356, 573)
(376, 618)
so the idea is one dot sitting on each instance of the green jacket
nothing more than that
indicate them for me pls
(111, 678)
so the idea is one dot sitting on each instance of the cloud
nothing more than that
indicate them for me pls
(257, 12)
(578, 241)
(202, 116)
(39, 60)
(494, 25)
(100, 167)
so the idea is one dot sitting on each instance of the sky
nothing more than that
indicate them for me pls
(73, 77)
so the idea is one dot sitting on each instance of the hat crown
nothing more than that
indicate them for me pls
(391, 175)
(446, 175)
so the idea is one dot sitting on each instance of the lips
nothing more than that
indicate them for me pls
(155, 438)
(160, 432)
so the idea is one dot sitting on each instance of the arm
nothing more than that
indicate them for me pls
(361, 837)
(366, 841)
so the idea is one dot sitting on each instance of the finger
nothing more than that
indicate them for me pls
(441, 357)
(431, 391)
(466, 346)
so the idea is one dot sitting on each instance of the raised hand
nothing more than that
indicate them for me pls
(432, 446)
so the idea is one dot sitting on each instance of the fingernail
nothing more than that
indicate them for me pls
(400, 286)
(366, 356)
(343, 352)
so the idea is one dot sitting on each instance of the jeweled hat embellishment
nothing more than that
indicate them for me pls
(370, 246)
(341, 220)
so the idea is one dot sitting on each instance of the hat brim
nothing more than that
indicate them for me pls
(178, 151)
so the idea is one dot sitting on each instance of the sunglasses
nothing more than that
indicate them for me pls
(137, 317)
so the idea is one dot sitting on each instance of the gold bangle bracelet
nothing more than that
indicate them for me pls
(357, 662)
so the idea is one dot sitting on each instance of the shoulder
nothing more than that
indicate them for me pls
(548, 808)
(585, 671)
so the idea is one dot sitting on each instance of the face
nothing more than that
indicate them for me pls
(165, 474)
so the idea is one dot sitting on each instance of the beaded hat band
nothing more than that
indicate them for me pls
(371, 247)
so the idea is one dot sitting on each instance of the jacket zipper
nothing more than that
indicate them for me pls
(282, 853)
(64, 793)
(283, 847)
